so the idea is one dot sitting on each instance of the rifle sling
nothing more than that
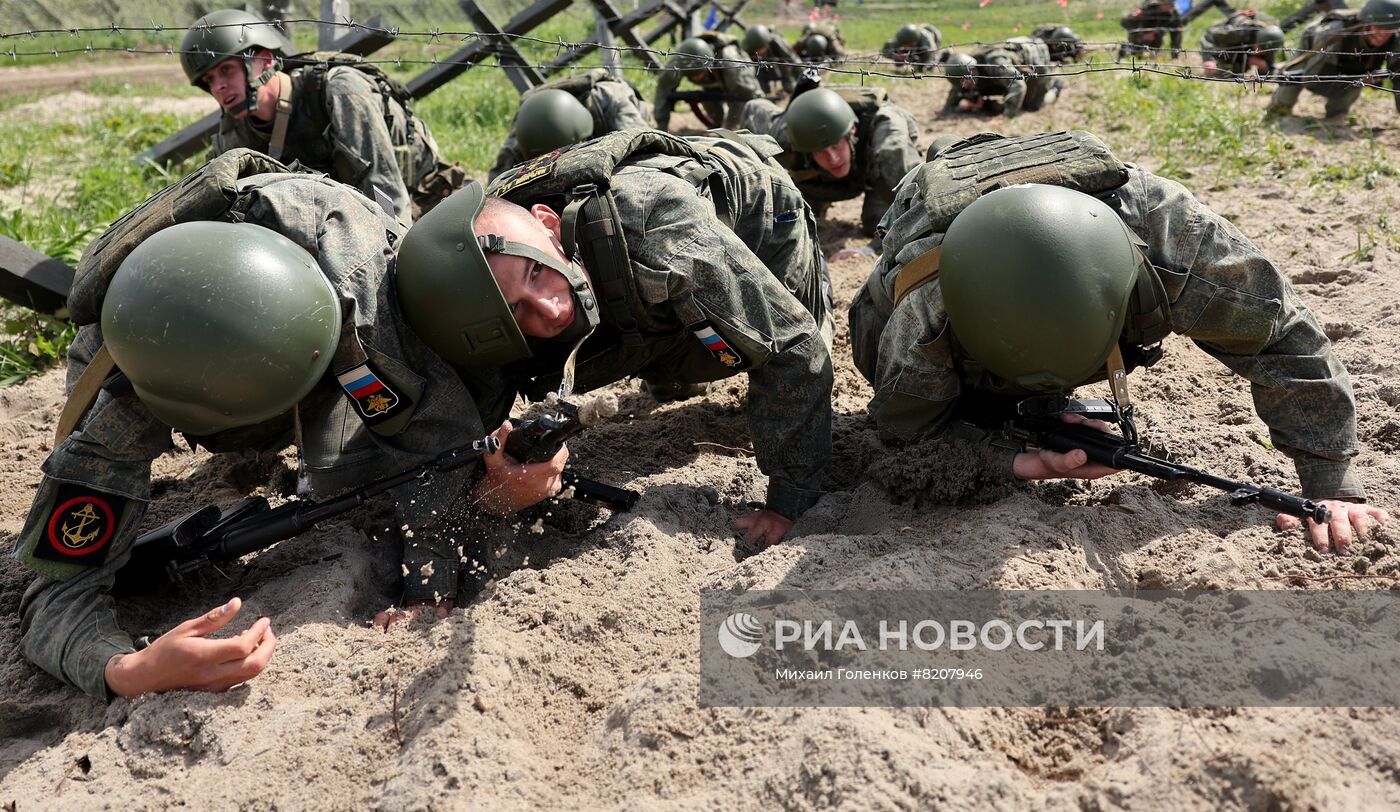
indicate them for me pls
(84, 394)
(284, 114)
(918, 271)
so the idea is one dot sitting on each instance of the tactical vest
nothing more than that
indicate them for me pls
(1330, 28)
(580, 176)
(1078, 160)
(208, 193)
(816, 184)
(306, 140)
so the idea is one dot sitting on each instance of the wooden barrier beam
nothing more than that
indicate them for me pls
(32, 279)
(518, 69)
(458, 63)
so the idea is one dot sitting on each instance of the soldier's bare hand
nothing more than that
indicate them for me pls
(1046, 464)
(767, 526)
(1347, 518)
(852, 253)
(388, 617)
(185, 657)
(510, 486)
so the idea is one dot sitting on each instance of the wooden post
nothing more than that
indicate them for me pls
(603, 34)
(332, 12)
(32, 279)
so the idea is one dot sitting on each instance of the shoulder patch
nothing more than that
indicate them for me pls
(80, 526)
(528, 172)
(373, 399)
(719, 348)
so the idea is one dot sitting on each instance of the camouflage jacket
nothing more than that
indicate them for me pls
(353, 132)
(1232, 42)
(718, 300)
(734, 77)
(1350, 54)
(922, 58)
(66, 617)
(1225, 295)
(614, 105)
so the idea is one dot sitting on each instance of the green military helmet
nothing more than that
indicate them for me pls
(1062, 34)
(693, 55)
(1037, 282)
(815, 47)
(908, 36)
(550, 119)
(756, 37)
(997, 65)
(220, 325)
(959, 66)
(1384, 13)
(219, 35)
(1269, 38)
(817, 119)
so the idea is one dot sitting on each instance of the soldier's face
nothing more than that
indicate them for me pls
(1376, 35)
(835, 159)
(228, 83)
(539, 296)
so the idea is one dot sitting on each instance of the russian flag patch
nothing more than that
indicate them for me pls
(373, 398)
(719, 348)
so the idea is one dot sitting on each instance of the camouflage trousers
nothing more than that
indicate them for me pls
(1340, 97)
(432, 188)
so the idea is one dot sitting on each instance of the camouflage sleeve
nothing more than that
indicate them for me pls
(950, 102)
(888, 50)
(742, 82)
(620, 107)
(894, 150)
(1014, 96)
(666, 83)
(363, 144)
(711, 276)
(66, 622)
(761, 116)
(1236, 305)
(509, 156)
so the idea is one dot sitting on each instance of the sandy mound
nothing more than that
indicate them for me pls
(573, 674)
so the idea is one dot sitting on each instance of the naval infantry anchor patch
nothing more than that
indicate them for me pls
(719, 348)
(80, 526)
(373, 398)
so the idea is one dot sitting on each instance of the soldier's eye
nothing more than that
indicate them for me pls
(535, 271)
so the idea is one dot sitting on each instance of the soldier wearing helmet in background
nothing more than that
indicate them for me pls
(833, 44)
(841, 143)
(713, 62)
(569, 110)
(1308, 11)
(915, 48)
(1148, 26)
(1346, 45)
(1017, 71)
(776, 61)
(679, 261)
(816, 50)
(1241, 45)
(180, 335)
(1063, 43)
(335, 114)
(983, 298)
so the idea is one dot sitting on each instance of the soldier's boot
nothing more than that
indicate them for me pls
(1338, 105)
(1285, 96)
(671, 392)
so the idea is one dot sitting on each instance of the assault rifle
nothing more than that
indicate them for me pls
(697, 97)
(1038, 422)
(539, 439)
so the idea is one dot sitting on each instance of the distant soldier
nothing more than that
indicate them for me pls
(336, 114)
(1147, 26)
(1017, 71)
(833, 44)
(840, 143)
(1362, 43)
(1198, 9)
(1240, 45)
(1064, 44)
(715, 63)
(1021, 268)
(1307, 12)
(569, 110)
(915, 48)
(777, 62)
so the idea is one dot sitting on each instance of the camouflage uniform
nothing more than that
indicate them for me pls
(66, 617)
(755, 285)
(835, 43)
(1223, 293)
(343, 124)
(1148, 23)
(924, 57)
(1232, 42)
(614, 104)
(885, 149)
(780, 65)
(1030, 58)
(1310, 10)
(731, 76)
(1340, 54)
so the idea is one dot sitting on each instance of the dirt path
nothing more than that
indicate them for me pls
(19, 80)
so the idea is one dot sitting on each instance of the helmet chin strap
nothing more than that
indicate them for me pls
(586, 315)
(255, 82)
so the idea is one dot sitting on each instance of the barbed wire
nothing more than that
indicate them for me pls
(925, 70)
